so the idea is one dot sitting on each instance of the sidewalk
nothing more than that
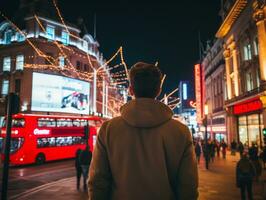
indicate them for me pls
(217, 183)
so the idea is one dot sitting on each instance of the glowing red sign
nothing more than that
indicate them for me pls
(198, 91)
(248, 106)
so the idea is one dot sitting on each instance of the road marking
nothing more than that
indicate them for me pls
(39, 188)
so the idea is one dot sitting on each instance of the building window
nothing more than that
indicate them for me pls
(78, 65)
(256, 46)
(20, 37)
(86, 68)
(50, 32)
(19, 62)
(8, 36)
(61, 61)
(247, 52)
(249, 81)
(65, 38)
(17, 86)
(5, 86)
(6, 64)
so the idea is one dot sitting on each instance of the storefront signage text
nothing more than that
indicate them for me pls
(247, 107)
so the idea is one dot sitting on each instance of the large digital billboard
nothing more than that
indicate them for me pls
(52, 93)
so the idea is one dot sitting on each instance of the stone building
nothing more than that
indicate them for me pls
(243, 32)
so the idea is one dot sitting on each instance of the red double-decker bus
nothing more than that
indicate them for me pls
(41, 138)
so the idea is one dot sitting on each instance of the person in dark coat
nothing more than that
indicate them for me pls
(241, 148)
(218, 148)
(224, 146)
(263, 156)
(198, 151)
(78, 167)
(245, 172)
(233, 147)
(254, 157)
(212, 149)
(85, 160)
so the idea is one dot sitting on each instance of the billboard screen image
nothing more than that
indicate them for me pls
(52, 93)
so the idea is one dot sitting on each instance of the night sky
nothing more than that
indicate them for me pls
(149, 31)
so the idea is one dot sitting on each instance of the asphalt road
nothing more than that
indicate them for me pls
(24, 178)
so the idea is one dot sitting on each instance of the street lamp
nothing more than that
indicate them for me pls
(206, 111)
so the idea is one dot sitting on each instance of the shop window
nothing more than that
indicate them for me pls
(65, 38)
(19, 62)
(243, 132)
(50, 32)
(5, 87)
(249, 81)
(253, 129)
(6, 64)
(61, 61)
(247, 52)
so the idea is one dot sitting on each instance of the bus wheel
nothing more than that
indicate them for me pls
(40, 159)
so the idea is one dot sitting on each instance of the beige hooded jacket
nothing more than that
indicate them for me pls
(143, 155)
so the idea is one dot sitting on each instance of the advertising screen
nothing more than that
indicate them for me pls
(52, 93)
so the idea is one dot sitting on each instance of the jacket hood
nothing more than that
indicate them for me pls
(145, 113)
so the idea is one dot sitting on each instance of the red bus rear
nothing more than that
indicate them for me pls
(41, 138)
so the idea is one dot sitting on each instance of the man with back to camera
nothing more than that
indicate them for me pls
(144, 154)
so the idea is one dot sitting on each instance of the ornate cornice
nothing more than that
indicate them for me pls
(234, 13)
(258, 14)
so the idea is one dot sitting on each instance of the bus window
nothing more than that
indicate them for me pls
(83, 122)
(46, 122)
(46, 142)
(76, 122)
(63, 141)
(78, 140)
(64, 123)
(16, 123)
(15, 144)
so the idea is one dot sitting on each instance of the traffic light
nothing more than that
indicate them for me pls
(264, 136)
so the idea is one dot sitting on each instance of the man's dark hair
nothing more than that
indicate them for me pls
(145, 80)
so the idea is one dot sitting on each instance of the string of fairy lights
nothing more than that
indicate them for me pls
(114, 75)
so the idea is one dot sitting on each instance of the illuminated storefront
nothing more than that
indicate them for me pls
(249, 121)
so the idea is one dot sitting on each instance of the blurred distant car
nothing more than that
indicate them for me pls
(76, 100)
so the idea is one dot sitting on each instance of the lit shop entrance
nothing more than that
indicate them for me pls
(250, 129)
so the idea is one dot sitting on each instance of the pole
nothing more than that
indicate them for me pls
(7, 147)
(206, 144)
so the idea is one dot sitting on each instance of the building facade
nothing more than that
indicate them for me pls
(243, 32)
(213, 77)
(55, 67)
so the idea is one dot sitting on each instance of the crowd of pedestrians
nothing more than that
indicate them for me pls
(248, 168)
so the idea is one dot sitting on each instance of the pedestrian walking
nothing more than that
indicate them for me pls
(85, 160)
(144, 153)
(245, 172)
(224, 147)
(263, 156)
(212, 150)
(198, 151)
(233, 147)
(254, 157)
(218, 148)
(78, 167)
(241, 148)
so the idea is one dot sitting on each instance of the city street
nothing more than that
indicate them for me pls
(24, 179)
(56, 180)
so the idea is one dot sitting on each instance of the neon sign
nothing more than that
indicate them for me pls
(198, 91)
(248, 106)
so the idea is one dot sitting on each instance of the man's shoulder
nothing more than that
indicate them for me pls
(178, 125)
